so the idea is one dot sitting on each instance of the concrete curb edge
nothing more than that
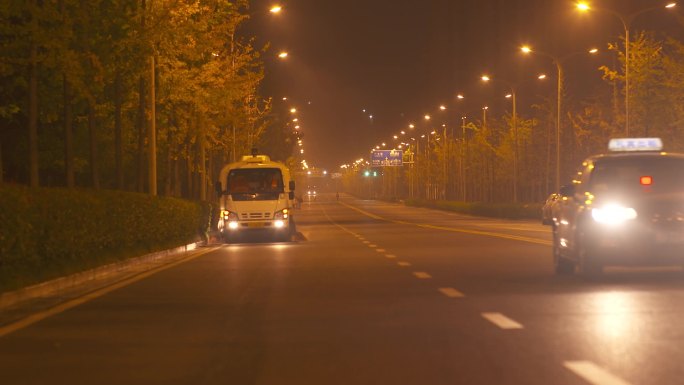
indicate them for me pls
(56, 285)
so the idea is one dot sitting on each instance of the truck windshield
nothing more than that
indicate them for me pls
(266, 181)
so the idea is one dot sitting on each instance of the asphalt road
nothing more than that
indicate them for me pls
(378, 293)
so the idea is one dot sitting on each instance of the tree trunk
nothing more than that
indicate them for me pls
(92, 132)
(189, 171)
(202, 162)
(68, 135)
(118, 142)
(152, 136)
(141, 136)
(169, 159)
(2, 169)
(33, 117)
(176, 177)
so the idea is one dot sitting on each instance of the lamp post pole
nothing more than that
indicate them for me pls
(626, 23)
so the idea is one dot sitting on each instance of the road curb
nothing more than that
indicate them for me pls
(58, 285)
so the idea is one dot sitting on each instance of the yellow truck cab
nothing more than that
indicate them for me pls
(255, 196)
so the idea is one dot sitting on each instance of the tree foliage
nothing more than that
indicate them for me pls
(93, 64)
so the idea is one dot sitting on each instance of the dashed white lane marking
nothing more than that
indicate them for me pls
(422, 275)
(390, 256)
(403, 264)
(366, 242)
(372, 245)
(594, 374)
(380, 250)
(501, 321)
(451, 292)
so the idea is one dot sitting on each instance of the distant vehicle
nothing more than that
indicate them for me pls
(548, 209)
(624, 208)
(257, 198)
(311, 193)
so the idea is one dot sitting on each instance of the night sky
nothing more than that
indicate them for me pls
(401, 59)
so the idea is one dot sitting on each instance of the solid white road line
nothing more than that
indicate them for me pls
(403, 264)
(451, 292)
(593, 374)
(62, 307)
(390, 256)
(380, 250)
(422, 275)
(501, 321)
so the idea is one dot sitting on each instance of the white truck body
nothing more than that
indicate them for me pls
(255, 195)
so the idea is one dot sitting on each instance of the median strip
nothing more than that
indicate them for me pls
(455, 230)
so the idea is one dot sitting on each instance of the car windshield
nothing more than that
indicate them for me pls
(255, 181)
(638, 175)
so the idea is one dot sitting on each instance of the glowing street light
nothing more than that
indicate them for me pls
(442, 107)
(426, 117)
(293, 110)
(626, 21)
(275, 9)
(559, 92)
(283, 55)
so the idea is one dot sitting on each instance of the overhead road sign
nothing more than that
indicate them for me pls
(380, 158)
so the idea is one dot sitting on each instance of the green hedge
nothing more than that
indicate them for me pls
(46, 233)
(494, 210)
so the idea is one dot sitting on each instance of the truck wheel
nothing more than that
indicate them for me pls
(230, 238)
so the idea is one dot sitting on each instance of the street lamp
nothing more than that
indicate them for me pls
(626, 21)
(486, 78)
(557, 61)
(512, 96)
(275, 9)
(283, 55)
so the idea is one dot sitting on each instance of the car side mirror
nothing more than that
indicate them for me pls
(567, 190)
(219, 188)
(291, 186)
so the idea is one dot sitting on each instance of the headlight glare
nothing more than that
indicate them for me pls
(613, 214)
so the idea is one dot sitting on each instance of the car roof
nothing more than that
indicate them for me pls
(636, 154)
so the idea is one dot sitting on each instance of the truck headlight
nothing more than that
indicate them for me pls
(282, 214)
(229, 215)
(281, 218)
(613, 214)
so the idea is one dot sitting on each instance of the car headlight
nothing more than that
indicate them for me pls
(613, 214)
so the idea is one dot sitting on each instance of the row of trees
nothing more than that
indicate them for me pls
(93, 91)
(475, 161)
